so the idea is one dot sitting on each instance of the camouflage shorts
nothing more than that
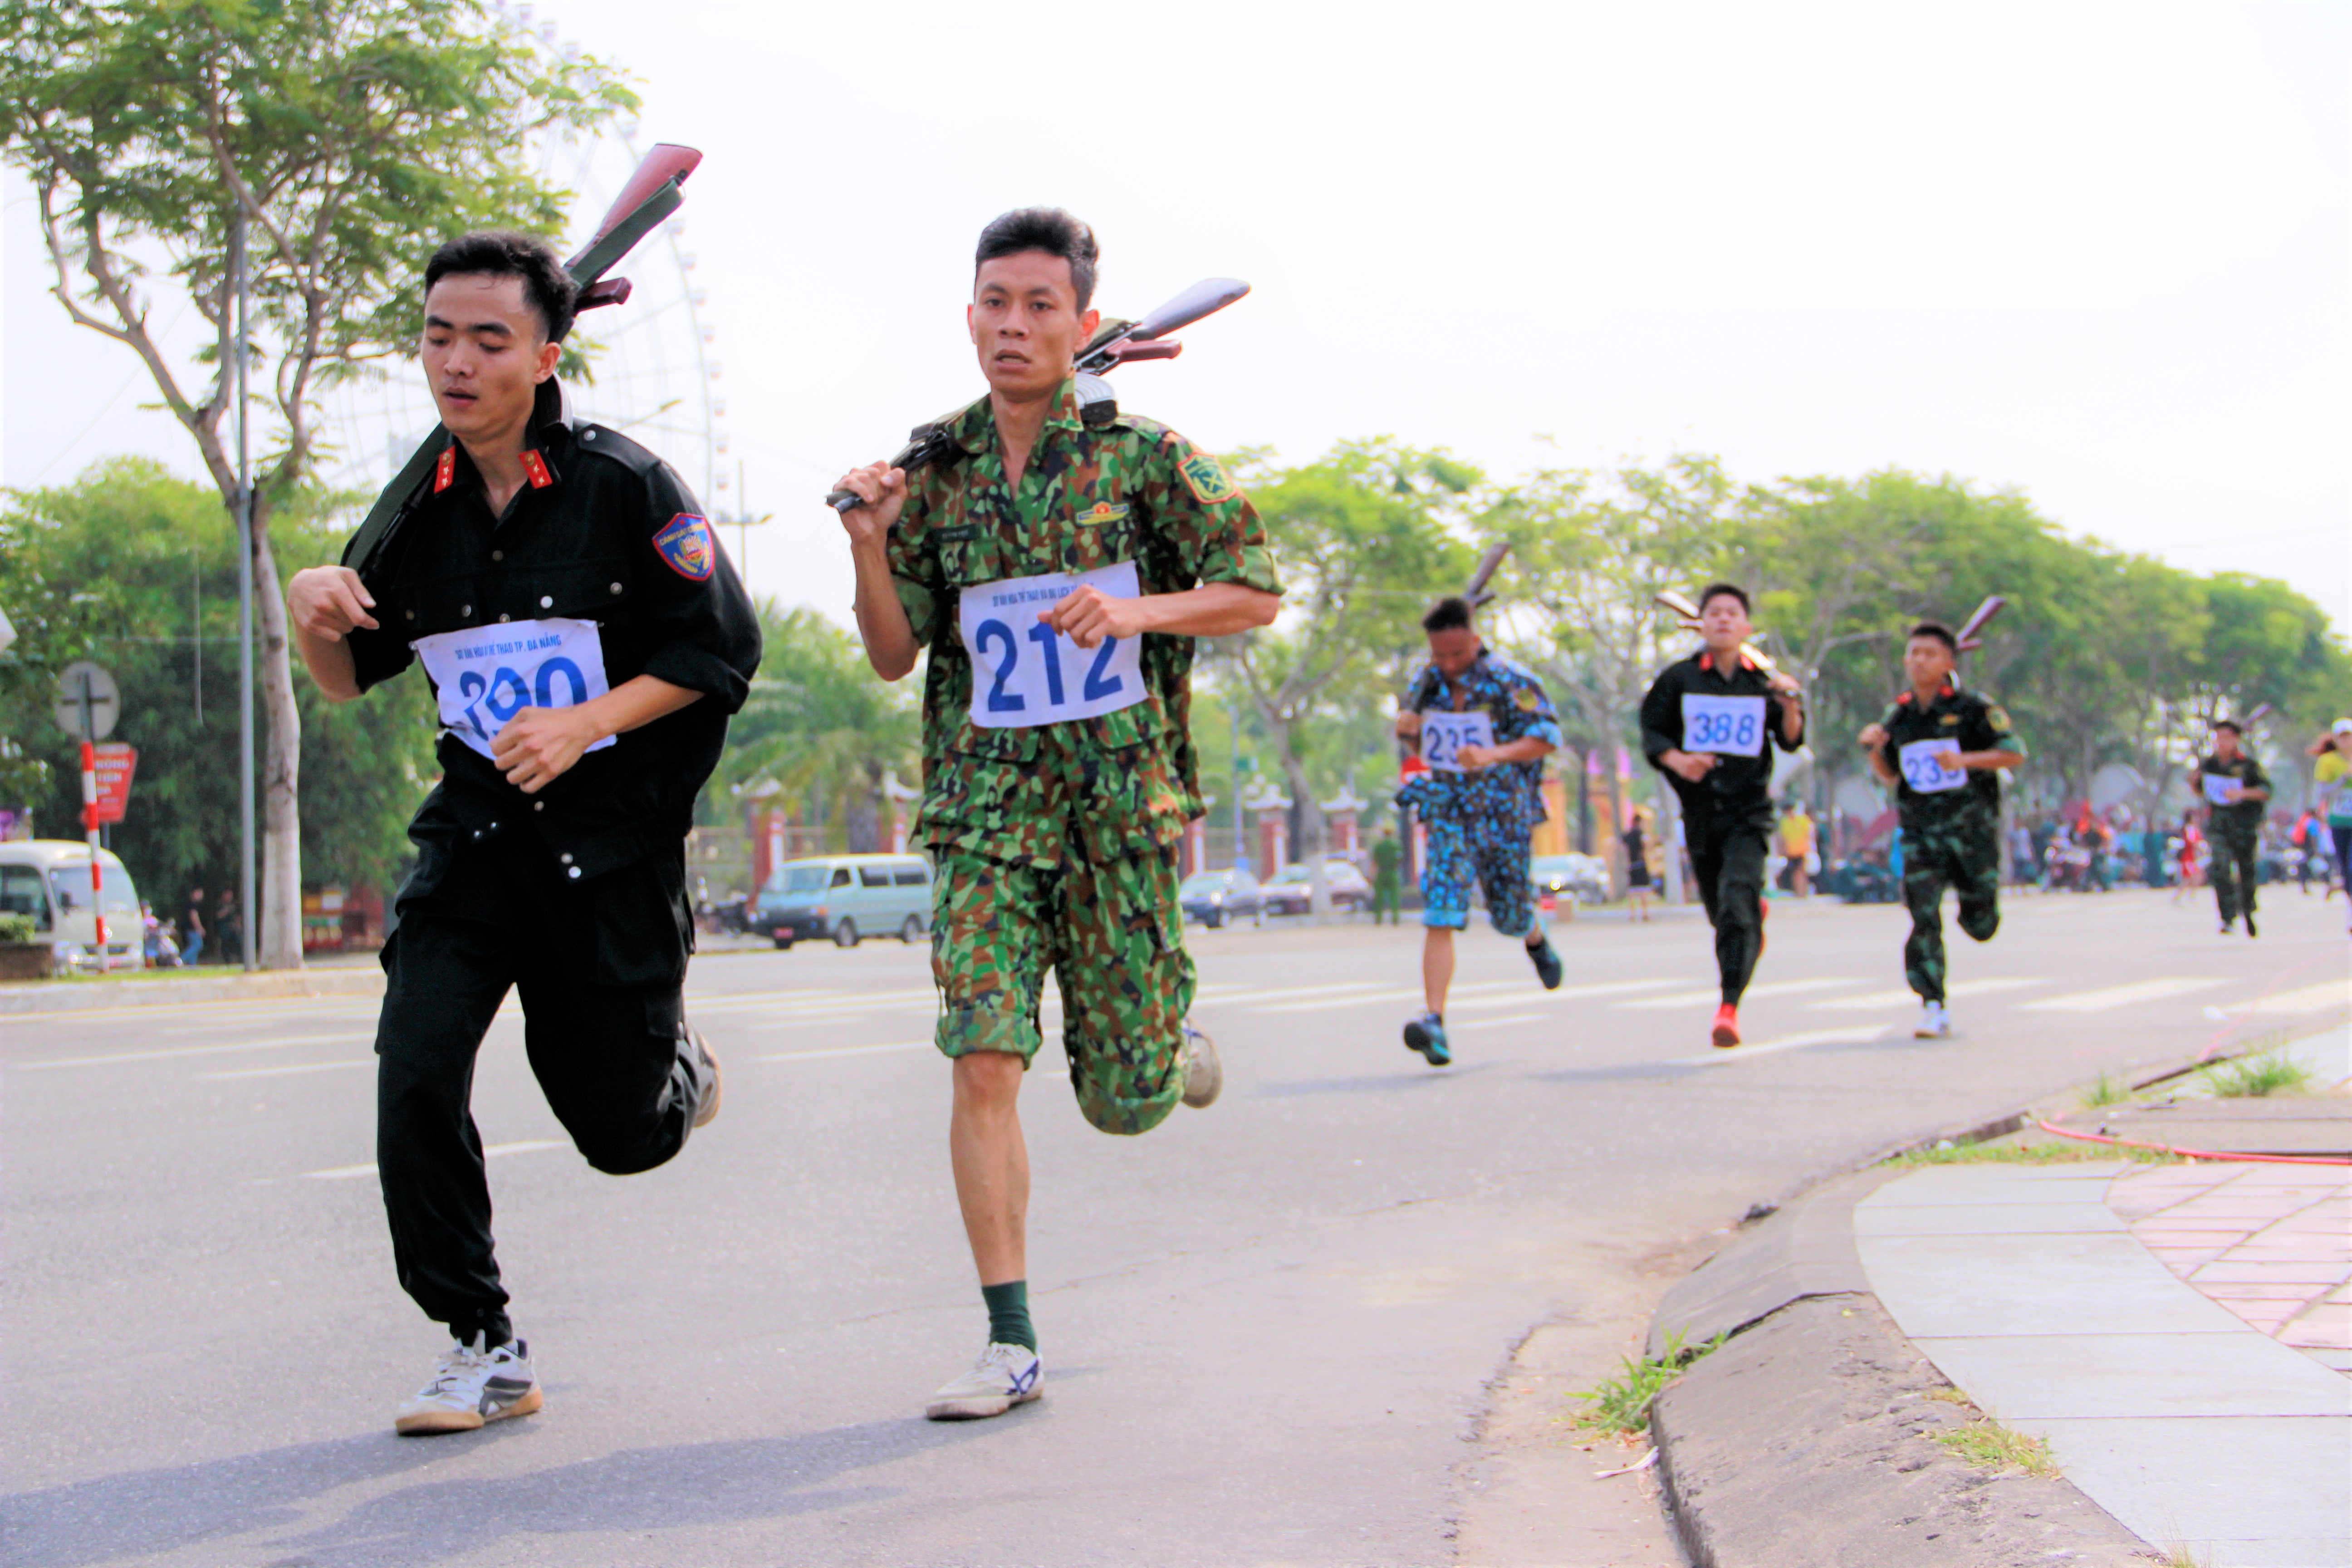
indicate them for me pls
(1111, 932)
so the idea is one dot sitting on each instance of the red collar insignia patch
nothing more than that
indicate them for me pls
(534, 467)
(687, 547)
(444, 472)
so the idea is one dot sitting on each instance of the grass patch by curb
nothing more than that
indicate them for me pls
(1620, 1405)
(1986, 1445)
(2051, 1154)
(2105, 1090)
(2264, 1073)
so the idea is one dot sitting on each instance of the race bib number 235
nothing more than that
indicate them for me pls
(1024, 673)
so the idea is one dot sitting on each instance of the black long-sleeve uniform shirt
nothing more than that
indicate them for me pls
(604, 534)
(1739, 788)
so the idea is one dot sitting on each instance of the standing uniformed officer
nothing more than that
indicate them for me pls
(1941, 749)
(2235, 790)
(586, 640)
(1705, 723)
(1484, 726)
(1058, 567)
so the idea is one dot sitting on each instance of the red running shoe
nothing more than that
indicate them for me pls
(1726, 1025)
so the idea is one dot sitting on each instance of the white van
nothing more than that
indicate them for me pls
(48, 878)
(846, 897)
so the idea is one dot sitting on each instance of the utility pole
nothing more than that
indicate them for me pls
(249, 918)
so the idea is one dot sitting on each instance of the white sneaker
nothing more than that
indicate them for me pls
(1204, 1075)
(472, 1386)
(1005, 1376)
(1935, 1022)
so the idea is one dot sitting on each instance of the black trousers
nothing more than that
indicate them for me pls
(599, 964)
(2233, 873)
(1727, 857)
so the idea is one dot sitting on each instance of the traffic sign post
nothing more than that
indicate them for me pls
(87, 704)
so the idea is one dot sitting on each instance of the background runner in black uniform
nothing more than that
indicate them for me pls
(1704, 725)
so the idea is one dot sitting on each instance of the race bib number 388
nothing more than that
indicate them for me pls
(1727, 726)
(1024, 673)
(486, 675)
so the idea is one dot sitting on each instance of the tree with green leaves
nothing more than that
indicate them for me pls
(820, 728)
(343, 140)
(1365, 536)
(129, 565)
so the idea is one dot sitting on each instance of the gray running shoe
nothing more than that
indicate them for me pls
(1005, 1376)
(1546, 961)
(706, 1105)
(1204, 1073)
(1426, 1035)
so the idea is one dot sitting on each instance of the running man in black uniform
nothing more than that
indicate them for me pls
(586, 641)
(1704, 725)
(2236, 791)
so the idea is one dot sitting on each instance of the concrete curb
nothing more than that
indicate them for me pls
(42, 997)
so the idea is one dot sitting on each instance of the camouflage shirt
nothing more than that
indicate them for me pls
(1976, 724)
(1133, 491)
(1510, 695)
(2243, 821)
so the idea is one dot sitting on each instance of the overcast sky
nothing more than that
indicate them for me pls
(2096, 252)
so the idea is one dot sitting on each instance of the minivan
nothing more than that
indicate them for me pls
(48, 878)
(845, 897)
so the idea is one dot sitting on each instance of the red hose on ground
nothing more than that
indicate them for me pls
(2192, 1154)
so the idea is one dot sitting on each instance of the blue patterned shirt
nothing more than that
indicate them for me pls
(1505, 793)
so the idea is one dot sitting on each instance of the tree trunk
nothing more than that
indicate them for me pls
(281, 893)
(1314, 833)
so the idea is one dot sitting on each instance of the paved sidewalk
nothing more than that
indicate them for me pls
(2184, 1414)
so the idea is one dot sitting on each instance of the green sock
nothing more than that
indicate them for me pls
(1008, 1314)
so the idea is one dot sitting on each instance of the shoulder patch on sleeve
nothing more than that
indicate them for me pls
(1207, 479)
(687, 547)
(1527, 700)
(1998, 717)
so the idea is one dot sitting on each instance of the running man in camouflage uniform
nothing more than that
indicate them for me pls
(1058, 571)
(2235, 790)
(1484, 726)
(1941, 748)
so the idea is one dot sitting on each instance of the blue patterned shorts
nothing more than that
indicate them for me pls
(1497, 856)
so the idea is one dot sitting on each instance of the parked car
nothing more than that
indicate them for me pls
(1212, 898)
(1287, 893)
(48, 878)
(1584, 878)
(847, 897)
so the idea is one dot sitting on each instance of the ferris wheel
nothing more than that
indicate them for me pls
(652, 367)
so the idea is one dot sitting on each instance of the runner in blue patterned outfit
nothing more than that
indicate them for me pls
(1484, 726)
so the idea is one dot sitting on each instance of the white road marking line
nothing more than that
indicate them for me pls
(2309, 999)
(2115, 996)
(1329, 1003)
(1365, 990)
(348, 1172)
(195, 1051)
(1526, 992)
(846, 1051)
(1697, 998)
(280, 1072)
(1879, 999)
(1857, 1035)
(1497, 1023)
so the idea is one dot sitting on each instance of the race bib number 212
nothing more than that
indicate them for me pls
(1024, 673)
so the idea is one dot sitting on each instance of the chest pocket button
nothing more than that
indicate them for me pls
(503, 617)
(616, 587)
(546, 601)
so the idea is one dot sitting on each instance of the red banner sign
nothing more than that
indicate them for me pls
(116, 763)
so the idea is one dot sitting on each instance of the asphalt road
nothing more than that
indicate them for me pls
(1270, 1328)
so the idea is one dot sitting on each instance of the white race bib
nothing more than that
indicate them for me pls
(1932, 766)
(2217, 787)
(1444, 734)
(486, 675)
(1024, 673)
(1729, 726)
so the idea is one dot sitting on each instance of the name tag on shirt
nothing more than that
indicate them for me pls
(1442, 736)
(486, 675)
(1932, 766)
(2217, 787)
(1024, 673)
(1729, 726)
